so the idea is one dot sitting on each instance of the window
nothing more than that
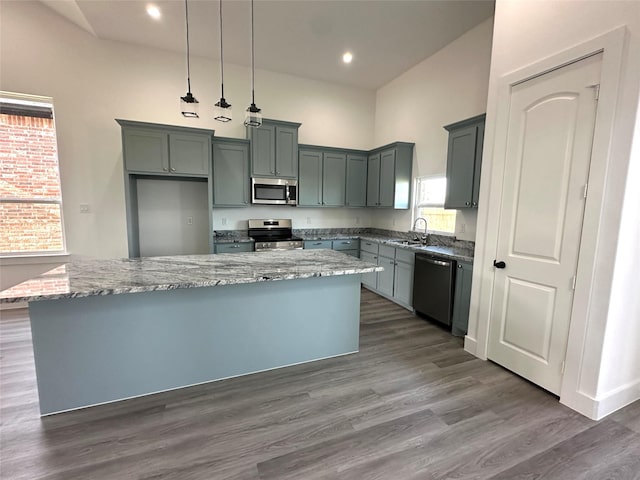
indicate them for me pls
(429, 204)
(30, 195)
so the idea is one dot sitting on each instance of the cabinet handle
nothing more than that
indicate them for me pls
(165, 169)
(235, 246)
(318, 243)
(467, 203)
(272, 172)
(459, 266)
(277, 172)
(346, 243)
(172, 169)
(474, 204)
(375, 258)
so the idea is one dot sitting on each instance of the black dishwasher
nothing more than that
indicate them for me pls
(433, 281)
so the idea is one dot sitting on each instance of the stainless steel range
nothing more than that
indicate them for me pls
(273, 234)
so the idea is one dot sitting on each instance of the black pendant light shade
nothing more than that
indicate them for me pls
(253, 115)
(188, 103)
(222, 109)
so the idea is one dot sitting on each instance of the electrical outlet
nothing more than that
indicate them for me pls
(308, 220)
(84, 208)
(357, 220)
(224, 220)
(463, 228)
(189, 220)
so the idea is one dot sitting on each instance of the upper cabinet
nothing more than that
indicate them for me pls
(230, 172)
(389, 176)
(322, 177)
(356, 180)
(274, 149)
(165, 150)
(464, 162)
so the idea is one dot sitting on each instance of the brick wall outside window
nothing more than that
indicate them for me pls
(29, 171)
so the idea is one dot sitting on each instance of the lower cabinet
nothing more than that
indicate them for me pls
(396, 281)
(462, 298)
(233, 247)
(348, 246)
(315, 244)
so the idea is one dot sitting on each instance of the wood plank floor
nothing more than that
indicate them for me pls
(410, 405)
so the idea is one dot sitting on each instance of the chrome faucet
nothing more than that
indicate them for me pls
(423, 238)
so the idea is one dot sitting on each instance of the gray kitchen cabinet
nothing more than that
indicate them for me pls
(356, 195)
(373, 180)
(315, 244)
(369, 279)
(149, 148)
(403, 277)
(334, 177)
(230, 172)
(322, 178)
(396, 281)
(386, 277)
(462, 298)
(348, 246)
(464, 162)
(310, 178)
(234, 247)
(274, 149)
(389, 176)
(163, 153)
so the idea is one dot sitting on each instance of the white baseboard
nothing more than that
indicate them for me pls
(471, 346)
(597, 409)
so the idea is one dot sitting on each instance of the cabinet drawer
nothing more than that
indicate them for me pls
(314, 244)
(369, 246)
(387, 251)
(234, 247)
(406, 256)
(346, 244)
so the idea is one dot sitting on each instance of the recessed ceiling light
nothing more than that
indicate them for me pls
(153, 11)
(347, 57)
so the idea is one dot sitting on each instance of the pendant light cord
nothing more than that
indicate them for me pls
(186, 10)
(221, 50)
(253, 66)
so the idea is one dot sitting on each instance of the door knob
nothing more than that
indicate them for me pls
(499, 264)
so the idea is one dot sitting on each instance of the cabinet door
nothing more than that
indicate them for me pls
(462, 298)
(387, 178)
(230, 174)
(316, 244)
(263, 150)
(403, 283)
(310, 180)
(334, 177)
(477, 166)
(460, 161)
(373, 180)
(346, 244)
(369, 279)
(189, 154)
(146, 150)
(385, 278)
(286, 152)
(356, 180)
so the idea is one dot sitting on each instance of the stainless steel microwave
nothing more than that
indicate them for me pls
(274, 191)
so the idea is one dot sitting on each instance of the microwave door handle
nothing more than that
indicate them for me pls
(288, 195)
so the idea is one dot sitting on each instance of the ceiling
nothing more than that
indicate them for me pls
(300, 37)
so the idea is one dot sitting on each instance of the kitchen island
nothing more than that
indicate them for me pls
(116, 329)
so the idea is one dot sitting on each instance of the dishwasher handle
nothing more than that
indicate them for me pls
(433, 261)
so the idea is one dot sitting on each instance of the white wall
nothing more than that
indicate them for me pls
(602, 370)
(445, 88)
(93, 81)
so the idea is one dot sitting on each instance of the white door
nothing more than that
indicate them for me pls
(548, 152)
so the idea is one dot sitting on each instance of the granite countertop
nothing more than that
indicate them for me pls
(83, 276)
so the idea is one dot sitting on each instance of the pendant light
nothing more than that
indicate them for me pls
(222, 109)
(188, 103)
(253, 115)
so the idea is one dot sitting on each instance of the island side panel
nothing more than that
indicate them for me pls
(101, 349)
